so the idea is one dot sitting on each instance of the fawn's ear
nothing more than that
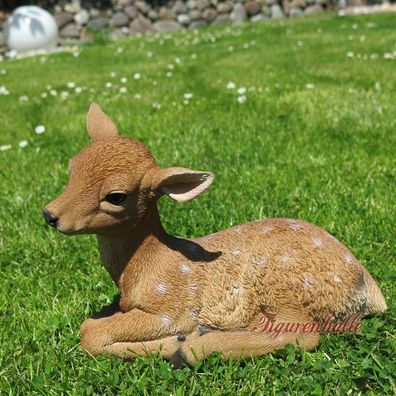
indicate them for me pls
(181, 184)
(99, 125)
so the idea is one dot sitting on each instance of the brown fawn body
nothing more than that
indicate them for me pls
(189, 298)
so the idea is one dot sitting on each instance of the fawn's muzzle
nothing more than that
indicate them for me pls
(50, 218)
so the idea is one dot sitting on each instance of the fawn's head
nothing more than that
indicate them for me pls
(114, 182)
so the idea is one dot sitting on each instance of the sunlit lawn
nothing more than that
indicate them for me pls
(313, 137)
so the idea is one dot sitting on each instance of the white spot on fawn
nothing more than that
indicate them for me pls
(308, 282)
(236, 252)
(161, 288)
(267, 229)
(193, 287)
(194, 312)
(260, 262)
(294, 225)
(336, 278)
(348, 258)
(166, 320)
(236, 288)
(285, 259)
(185, 268)
(318, 242)
(237, 230)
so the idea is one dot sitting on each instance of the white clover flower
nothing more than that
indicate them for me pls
(170, 66)
(5, 147)
(78, 90)
(231, 85)
(23, 143)
(113, 74)
(230, 48)
(44, 95)
(169, 74)
(309, 86)
(186, 102)
(64, 94)
(193, 56)
(71, 84)
(388, 55)
(188, 95)
(123, 90)
(136, 76)
(3, 71)
(242, 99)
(53, 92)
(177, 61)
(124, 80)
(39, 129)
(137, 96)
(120, 49)
(4, 91)
(350, 54)
(23, 98)
(149, 54)
(241, 91)
(108, 84)
(156, 106)
(49, 87)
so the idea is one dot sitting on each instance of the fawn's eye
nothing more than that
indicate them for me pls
(116, 198)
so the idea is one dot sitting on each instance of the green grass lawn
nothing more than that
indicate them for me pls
(315, 139)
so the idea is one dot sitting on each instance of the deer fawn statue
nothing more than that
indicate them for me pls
(189, 298)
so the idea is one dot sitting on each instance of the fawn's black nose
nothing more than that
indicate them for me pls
(50, 218)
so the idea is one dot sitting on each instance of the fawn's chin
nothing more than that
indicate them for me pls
(70, 232)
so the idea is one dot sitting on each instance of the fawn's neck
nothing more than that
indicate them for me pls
(117, 251)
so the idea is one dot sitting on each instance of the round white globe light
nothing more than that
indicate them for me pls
(31, 28)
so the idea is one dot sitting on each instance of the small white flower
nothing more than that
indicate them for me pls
(113, 74)
(39, 129)
(177, 61)
(309, 86)
(124, 80)
(149, 54)
(120, 49)
(156, 106)
(350, 54)
(53, 92)
(78, 90)
(188, 95)
(170, 66)
(23, 143)
(44, 95)
(108, 84)
(23, 98)
(241, 91)
(5, 147)
(388, 55)
(231, 85)
(123, 90)
(193, 56)
(64, 94)
(3, 71)
(242, 99)
(169, 74)
(137, 96)
(230, 48)
(136, 76)
(4, 91)
(71, 84)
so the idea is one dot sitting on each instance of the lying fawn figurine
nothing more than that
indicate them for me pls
(189, 298)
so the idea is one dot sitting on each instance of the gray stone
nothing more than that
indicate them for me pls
(70, 31)
(119, 19)
(238, 14)
(98, 24)
(63, 19)
(152, 15)
(183, 19)
(73, 7)
(276, 12)
(295, 12)
(259, 18)
(141, 25)
(313, 9)
(202, 4)
(116, 34)
(166, 14)
(166, 26)
(180, 7)
(142, 6)
(195, 15)
(81, 17)
(224, 8)
(124, 3)
(198, 23)
(298, 4)
(94, 12)
(131, 11)
(191, 4)
(252, 7)
(209, 14)
(222, 18)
